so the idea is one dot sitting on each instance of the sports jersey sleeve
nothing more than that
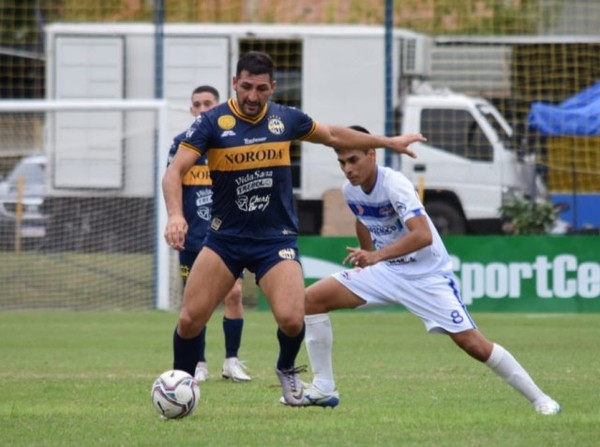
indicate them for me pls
(305, 125)
(404, 198)
(174, 146)
(198, 137)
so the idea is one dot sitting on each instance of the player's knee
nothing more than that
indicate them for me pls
(291, 325)
(234, 297)
(187, 326)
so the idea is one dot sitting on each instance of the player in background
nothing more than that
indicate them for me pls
(401, 260)
(197, 200)
(254, 224)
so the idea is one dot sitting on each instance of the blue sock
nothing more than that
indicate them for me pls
(288, 349)
(185, 353)
(232, 328)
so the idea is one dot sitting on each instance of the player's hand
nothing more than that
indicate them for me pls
(400, 143)
(175, 232)
(360, 258)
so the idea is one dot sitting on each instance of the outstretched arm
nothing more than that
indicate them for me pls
(346, 138)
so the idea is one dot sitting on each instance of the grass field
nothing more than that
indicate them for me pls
(78, 378)
(76, 281)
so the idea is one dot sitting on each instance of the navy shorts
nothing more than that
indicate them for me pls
(186, 260)
(258, 256)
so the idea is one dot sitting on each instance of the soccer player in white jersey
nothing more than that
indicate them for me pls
(401, 260)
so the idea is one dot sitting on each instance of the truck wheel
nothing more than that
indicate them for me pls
(446, 218)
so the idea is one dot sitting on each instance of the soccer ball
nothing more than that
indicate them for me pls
(175, 394)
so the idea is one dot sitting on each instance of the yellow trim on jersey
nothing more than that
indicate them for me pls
(198, 175)
(265, 155)
(310, 132)
(189, 147)
(233, 105)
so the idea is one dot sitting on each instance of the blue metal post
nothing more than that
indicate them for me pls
(389, 28)
(159, 20)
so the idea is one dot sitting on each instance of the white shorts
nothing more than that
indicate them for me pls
(435, 299)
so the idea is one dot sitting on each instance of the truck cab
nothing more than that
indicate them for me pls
(467, 168)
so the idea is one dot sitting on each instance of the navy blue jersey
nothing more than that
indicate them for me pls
(250, 166)
(197, 198)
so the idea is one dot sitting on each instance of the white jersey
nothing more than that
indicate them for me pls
(384, 212)
(422, 281)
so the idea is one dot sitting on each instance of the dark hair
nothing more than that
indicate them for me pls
(207, 89)
(256, 63)
(359, 128)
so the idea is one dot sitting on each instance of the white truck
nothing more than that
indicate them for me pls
(334, 73)
(468, 167)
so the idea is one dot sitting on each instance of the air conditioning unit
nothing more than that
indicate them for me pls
(416, 55)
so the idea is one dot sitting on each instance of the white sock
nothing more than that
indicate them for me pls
(506, 366)
(319, 342)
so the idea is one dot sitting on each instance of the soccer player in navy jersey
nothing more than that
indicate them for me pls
(254, 224)
(401, 261)
(197, 199)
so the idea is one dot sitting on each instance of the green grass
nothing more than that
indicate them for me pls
(77, 378)
(84, 281)
(76, 281)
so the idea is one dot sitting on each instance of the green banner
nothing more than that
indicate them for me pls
(498, 273)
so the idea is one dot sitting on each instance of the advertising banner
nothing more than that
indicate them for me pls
(556, 274)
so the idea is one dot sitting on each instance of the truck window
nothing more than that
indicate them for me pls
(493, 118)
(457, 132)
